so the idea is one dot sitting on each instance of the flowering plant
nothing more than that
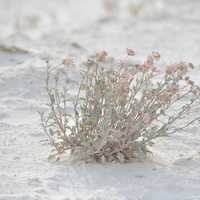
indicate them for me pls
(120, 107)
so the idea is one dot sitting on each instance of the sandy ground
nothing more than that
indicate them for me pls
(51, 29)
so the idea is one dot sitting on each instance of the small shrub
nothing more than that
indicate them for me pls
(120, 107)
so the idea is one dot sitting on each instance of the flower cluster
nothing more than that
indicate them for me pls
(119, 108)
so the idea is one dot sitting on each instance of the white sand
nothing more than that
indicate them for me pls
(51, 29)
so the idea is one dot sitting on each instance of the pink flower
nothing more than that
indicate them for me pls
(148, 63)
(156, 55)
(130, 52)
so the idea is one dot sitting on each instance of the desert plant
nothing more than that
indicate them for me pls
(120, 107)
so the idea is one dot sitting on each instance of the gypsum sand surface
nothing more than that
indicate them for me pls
(57, 31)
